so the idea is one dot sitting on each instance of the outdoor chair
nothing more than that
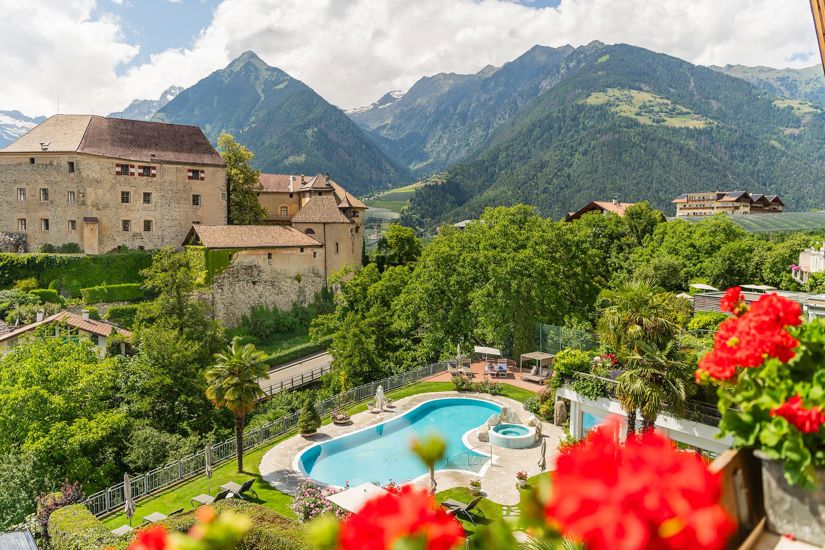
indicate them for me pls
(122, 530)
(490, 369)
(207, 499)
(542, 376)
(241, 490)
(455, 508)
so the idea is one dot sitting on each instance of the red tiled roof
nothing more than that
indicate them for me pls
(249, 236)
(320, 209)
(100, 328)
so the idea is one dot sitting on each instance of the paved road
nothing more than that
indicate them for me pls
(296, 368)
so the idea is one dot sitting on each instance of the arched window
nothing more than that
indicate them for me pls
(310, 231)
(284, 211)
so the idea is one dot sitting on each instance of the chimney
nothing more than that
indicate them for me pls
(40, 315)
(85, 314)
(302, 179)
(615, 201)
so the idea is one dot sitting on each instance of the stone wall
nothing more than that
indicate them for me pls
(12, 242)
(240, 287)
(64, 198)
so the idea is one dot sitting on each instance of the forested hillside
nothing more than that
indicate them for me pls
(626, 122)
(289, 127)
(806, 84)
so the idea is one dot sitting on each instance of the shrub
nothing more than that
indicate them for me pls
(462, 383)
(74, 527)
(150, 448)
(11, 299)
(93, 313)
(706, 320)
(311, 501)
(122, 315)
(69, 248)
(592, 388)
(567, 362)
(26, 285)
(47, 295)
(309, 420)
(27, 313)
(125, 292)
(47, 248)
(532, 405)
(72, 273)
(302, 350)
(47, 504)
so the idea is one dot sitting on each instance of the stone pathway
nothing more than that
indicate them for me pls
(498, 481)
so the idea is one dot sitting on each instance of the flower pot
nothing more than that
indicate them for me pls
(521, 483)
(792, 509)
(476, 491)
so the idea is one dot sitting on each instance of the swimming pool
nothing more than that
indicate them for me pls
(382, 453)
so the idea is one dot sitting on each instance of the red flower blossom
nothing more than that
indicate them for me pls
(747, 340)
(151, 538)
(388, 518)
(732, 301)
(806, 420)
(644, 494)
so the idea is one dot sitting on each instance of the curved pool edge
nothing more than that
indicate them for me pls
(297, 465)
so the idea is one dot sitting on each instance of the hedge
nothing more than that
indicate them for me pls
(302, 350)
(71, 273)
(122, 315)
(125, 292)
(74, 527)
(208, 263)
(47, 295)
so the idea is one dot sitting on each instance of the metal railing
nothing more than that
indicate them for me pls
(296, 381)
(111, 499)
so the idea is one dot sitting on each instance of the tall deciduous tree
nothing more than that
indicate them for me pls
(244, 182)
(399, 246)
(233, 385)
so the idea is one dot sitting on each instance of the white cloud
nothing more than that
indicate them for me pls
(351, 52)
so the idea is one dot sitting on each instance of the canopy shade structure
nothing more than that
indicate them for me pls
(487, 351)
(703, 286)
(354, 498)
(761, 288)
(543, 359)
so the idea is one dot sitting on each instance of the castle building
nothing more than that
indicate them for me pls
(726, 202)
(108, 182)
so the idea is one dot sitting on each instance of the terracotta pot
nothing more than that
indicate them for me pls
(792, 509)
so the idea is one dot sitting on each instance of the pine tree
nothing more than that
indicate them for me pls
(309, 420)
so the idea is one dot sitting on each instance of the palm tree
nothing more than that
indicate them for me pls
(654, 379)
(637, 312)
(233, 385)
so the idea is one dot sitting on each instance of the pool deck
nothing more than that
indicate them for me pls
(512, 378)
(498, 481)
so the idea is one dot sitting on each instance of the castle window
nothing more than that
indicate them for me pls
(302, 249)
(71, 197)
(310, 231)
(193, 174)
(71, 167)
(31, 160)
(290, 195)
(123, 170)
(21, 194)
(319, 193)
(337, 248)
(21, 224)
(223, 196)
(269, 256)
(147, 198)
(72, 225)
(147, 171)
(147, 225)
(44, 194)
(125, 197)
(44, 224)
(126, 225)
(284, 211)
(196, 200)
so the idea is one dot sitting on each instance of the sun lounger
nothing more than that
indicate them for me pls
(240, 490)
(455, 508)
(154, 517)
(206, 499)
(542, 376)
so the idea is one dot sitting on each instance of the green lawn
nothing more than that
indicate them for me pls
(179, 496)
(283, 342)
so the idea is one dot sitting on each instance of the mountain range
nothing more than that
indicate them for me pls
(555, 128)
(290, 128)
(145, 109)
(14, 124)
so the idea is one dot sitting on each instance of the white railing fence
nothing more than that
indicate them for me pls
(111, 499)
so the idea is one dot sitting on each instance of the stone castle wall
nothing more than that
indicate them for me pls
(240, 287)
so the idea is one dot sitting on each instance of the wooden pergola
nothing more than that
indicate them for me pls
(543, 359)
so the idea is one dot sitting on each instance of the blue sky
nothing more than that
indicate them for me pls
(158, 25)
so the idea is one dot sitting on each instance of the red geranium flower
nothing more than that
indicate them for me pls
(732, 301)
(747, 340)
(151, 538)
(410, 513)
(644, 494)
(806, 420)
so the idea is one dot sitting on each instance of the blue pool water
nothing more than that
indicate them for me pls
(589, 422)
(511, 429)
(382, 453)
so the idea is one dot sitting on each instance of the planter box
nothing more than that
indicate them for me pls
(792, 509)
